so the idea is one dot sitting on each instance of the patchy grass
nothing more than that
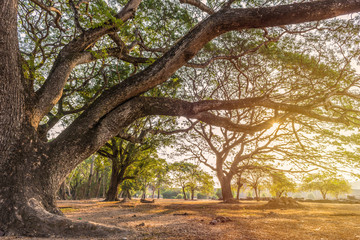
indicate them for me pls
(249, 219)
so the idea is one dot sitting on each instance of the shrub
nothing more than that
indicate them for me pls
(170, 194)
(201, 196)
(179, 196)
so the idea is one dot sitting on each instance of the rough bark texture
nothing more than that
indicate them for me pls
(116, 178)
(225, 183)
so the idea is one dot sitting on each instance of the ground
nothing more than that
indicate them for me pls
(165, 219)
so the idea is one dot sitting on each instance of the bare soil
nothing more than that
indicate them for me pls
(178, 219)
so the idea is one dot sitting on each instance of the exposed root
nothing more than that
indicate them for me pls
(35, 221)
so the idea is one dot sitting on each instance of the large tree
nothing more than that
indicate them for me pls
(62, 42)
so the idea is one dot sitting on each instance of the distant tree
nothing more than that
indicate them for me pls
(239, 182)
(280, 184)
(89, 179)
(122, 154)
(145, 174)
(192, 178)
(170, 194)
(199, 180)
(161, 171)
(255, 179)
(340, 186)
(179, 172)
(325, 183)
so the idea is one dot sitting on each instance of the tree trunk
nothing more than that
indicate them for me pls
(239, 185)
(62, 191)
(256, 194)
(113, 192)
(323, 194)
(104, 184)
(192, 194)
(184, 193)
(88, 186)
(98, 185)
(225, 183)
(158, 193)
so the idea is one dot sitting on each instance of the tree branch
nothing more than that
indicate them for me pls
(50, 92)
(50, 10)
(118, 106)
(200, 5)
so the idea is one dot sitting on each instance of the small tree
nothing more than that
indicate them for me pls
(180, 172)
(325, 183)
(340, 186)
(255, 178)
(190, 177)
(280, 184)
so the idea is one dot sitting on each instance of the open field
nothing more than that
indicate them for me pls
(249, 219)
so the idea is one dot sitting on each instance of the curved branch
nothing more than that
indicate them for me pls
(119, 106)
(186, 48)
(50, 92)
(50, 10)
(199, 5)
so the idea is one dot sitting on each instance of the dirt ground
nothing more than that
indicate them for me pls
(178, 219)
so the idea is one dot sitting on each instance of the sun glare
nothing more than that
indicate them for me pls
(274, 127)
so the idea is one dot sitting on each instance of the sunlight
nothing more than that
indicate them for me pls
(274, 127)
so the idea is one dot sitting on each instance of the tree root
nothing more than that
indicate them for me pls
(35, 221)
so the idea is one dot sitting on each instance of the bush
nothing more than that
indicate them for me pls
(170, 194)
(219, 194)
(201, 196)
(179, 196)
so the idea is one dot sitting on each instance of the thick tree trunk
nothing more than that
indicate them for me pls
(225, 183)
(115, 180)
(158, 195)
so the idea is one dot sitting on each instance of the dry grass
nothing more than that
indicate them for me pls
(249, 219)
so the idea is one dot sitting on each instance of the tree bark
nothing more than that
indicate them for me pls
(239, 185)
(225, 184)
(184, 193)
(62, 191)
(88, 185)
(256, 193)
(99, 178)
(117, 176)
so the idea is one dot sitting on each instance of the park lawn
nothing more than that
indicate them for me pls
(249, 219)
